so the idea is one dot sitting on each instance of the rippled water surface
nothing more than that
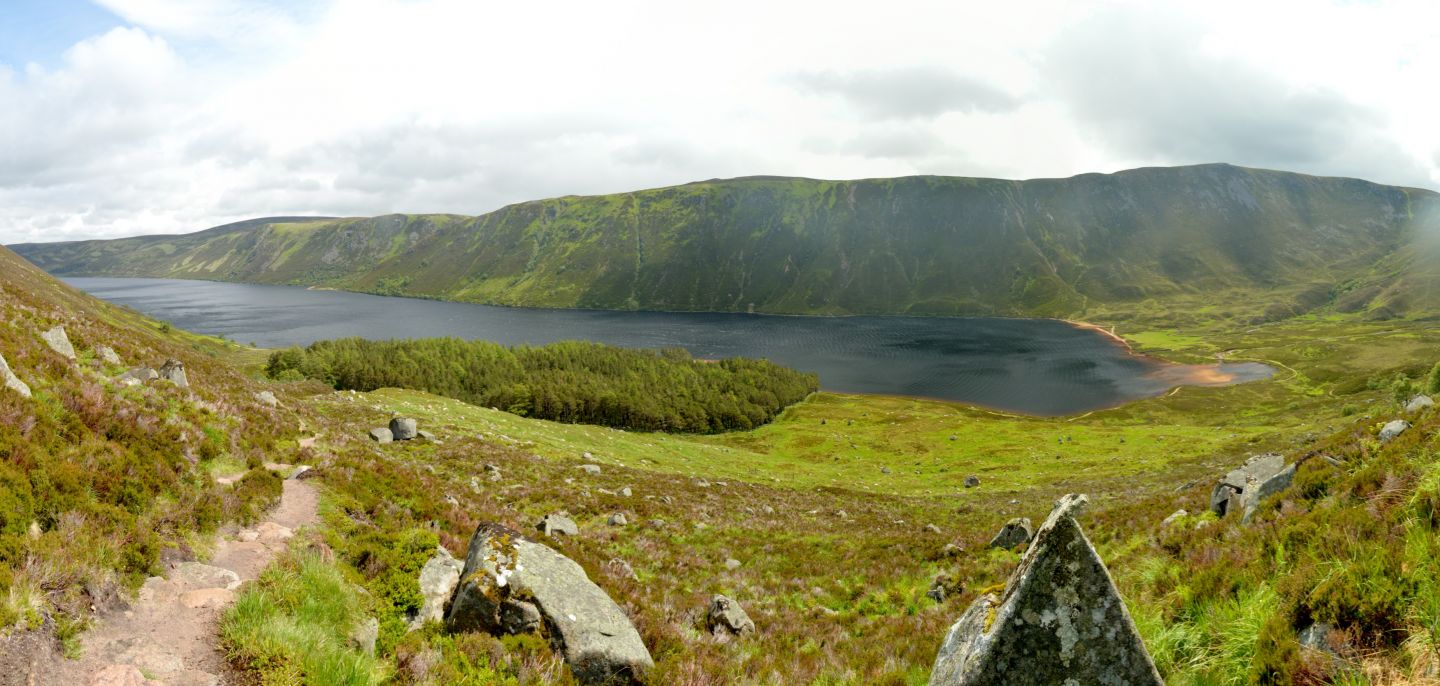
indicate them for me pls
(1034, 366)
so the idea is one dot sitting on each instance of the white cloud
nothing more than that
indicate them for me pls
(211, 111)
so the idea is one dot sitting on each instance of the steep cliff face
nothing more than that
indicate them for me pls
(919, 245)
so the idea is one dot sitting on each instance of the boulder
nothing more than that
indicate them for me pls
(591, 469)
(493, 472)
(1174, 517)
(1059, 621)
(267, 398)
(943, 587)
(138, 375)
(402, 428)
(732, 564)
(174, 372)
(1015, 532)
(107, 355)
(1418, 403)
(381, 435)
(1229, 492)
(1252, 497)
(59, 342)
(426, 436)
(511, 584)
(972, 481)
(618, 519)
(12, 382)
(1392, 430)
(931, 529)
(558, 523)
(727, 617)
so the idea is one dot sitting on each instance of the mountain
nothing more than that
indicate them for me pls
(914, 245)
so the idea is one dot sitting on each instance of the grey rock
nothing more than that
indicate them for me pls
(1060, 621)
(1252, 497)
(426, 436)
(364, 635)
(511, 583)
(943, 587)
(381, 435)
(267, 398)
(932, 529)
(972, 481)
(1015, 532)
(727, 617)
(732, 564)
(438, 579)
(59, 342)
(12, 382)
(403, 428)
(591, 469)
(107, 355)
(626, 492)
(1393, 429)
(702, 483)
(1418, 403)
(1229, 493)
(174, 372)
(1174, 517)
(493, 472)
(557, 523)
(618, 519)
(139, 375)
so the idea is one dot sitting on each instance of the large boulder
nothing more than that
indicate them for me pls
(1418, 403)
(1060, 621)
(558, 523)
(438, 579)
(1015, 532)
(1393, 429)
(174, 371)
(1229, 492)
(511, 585)
(381, 435)
(59, 342)
(726, 617)
(138, 375)
(403, 428)
(1251, 498)
(11, 381)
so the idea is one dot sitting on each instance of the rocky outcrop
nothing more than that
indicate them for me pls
(59, 342)
(11, 381)
(1252, 497)
(1060, 621)
(403, 428)
(1229, 493)
(174, 371)
(438, 579)
(1015, 532)
(726, 617)
(1392, 430)
(512, 585)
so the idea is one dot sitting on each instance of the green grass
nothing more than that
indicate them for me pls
(292, 626)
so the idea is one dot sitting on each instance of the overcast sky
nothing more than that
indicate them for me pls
(122, 117)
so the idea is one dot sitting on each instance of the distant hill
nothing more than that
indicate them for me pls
(1272, 243)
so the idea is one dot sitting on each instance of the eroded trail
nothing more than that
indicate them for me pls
(169, 635)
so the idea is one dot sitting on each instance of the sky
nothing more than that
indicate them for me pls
(126, 117)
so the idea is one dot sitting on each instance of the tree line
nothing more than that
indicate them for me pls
(570, 381)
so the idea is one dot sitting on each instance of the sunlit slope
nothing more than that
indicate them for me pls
(918, 245)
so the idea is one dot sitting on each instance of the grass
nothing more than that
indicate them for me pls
(292, 626)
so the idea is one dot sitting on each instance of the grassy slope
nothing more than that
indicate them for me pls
(921, 245)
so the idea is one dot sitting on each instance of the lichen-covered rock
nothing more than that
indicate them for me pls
(267, 398)
(1060, 621)
(972, 481)
(727, 617)
(138, 375)
(1015, 532)
(59, 342)
(1418, 403)
(558, 523)
(12, 382)
(511, 584)
(403, 428)
(174, 372)
(107, 355)
(1229, 492)
(1392, 430)
(438, 579)
(381, 435)
(1251, 498)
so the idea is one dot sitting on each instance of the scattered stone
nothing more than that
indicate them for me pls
(381, 435)
(1060, 621)
(1174, 516)
(618, 519)
(557, 523)
(1392, 430)
(842, 514)
(953, 437)
(12, 382)
(452, 501)
(885, 470)
(365, 635)
(1228, 494)
(732, 564)
(586, 455)
(702, 483)
(1015, 532)
(1418, 403)
(943, 587)
(493, 471)
(138, 375)
(972, 481)
(267, 398)
(727, 617)
(207, 597)
(248, 536)
(426, 436)
(511, 584)
(402, 428)
(438, 579)
(591, 469)
(626, 492)
(950, 550)
(621, 569)
(932, 529)
(59, 342)
(107, 355)
(174, 372)
(657, 523)
(301, 472)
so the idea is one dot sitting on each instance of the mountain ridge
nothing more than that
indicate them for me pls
(923, 245)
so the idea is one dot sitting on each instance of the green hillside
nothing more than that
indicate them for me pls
(916, 245)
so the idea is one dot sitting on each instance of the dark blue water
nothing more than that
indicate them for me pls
(1033, 366)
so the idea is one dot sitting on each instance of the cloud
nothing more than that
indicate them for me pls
(917, 92)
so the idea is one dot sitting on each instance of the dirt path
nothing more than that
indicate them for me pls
(169, 635)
